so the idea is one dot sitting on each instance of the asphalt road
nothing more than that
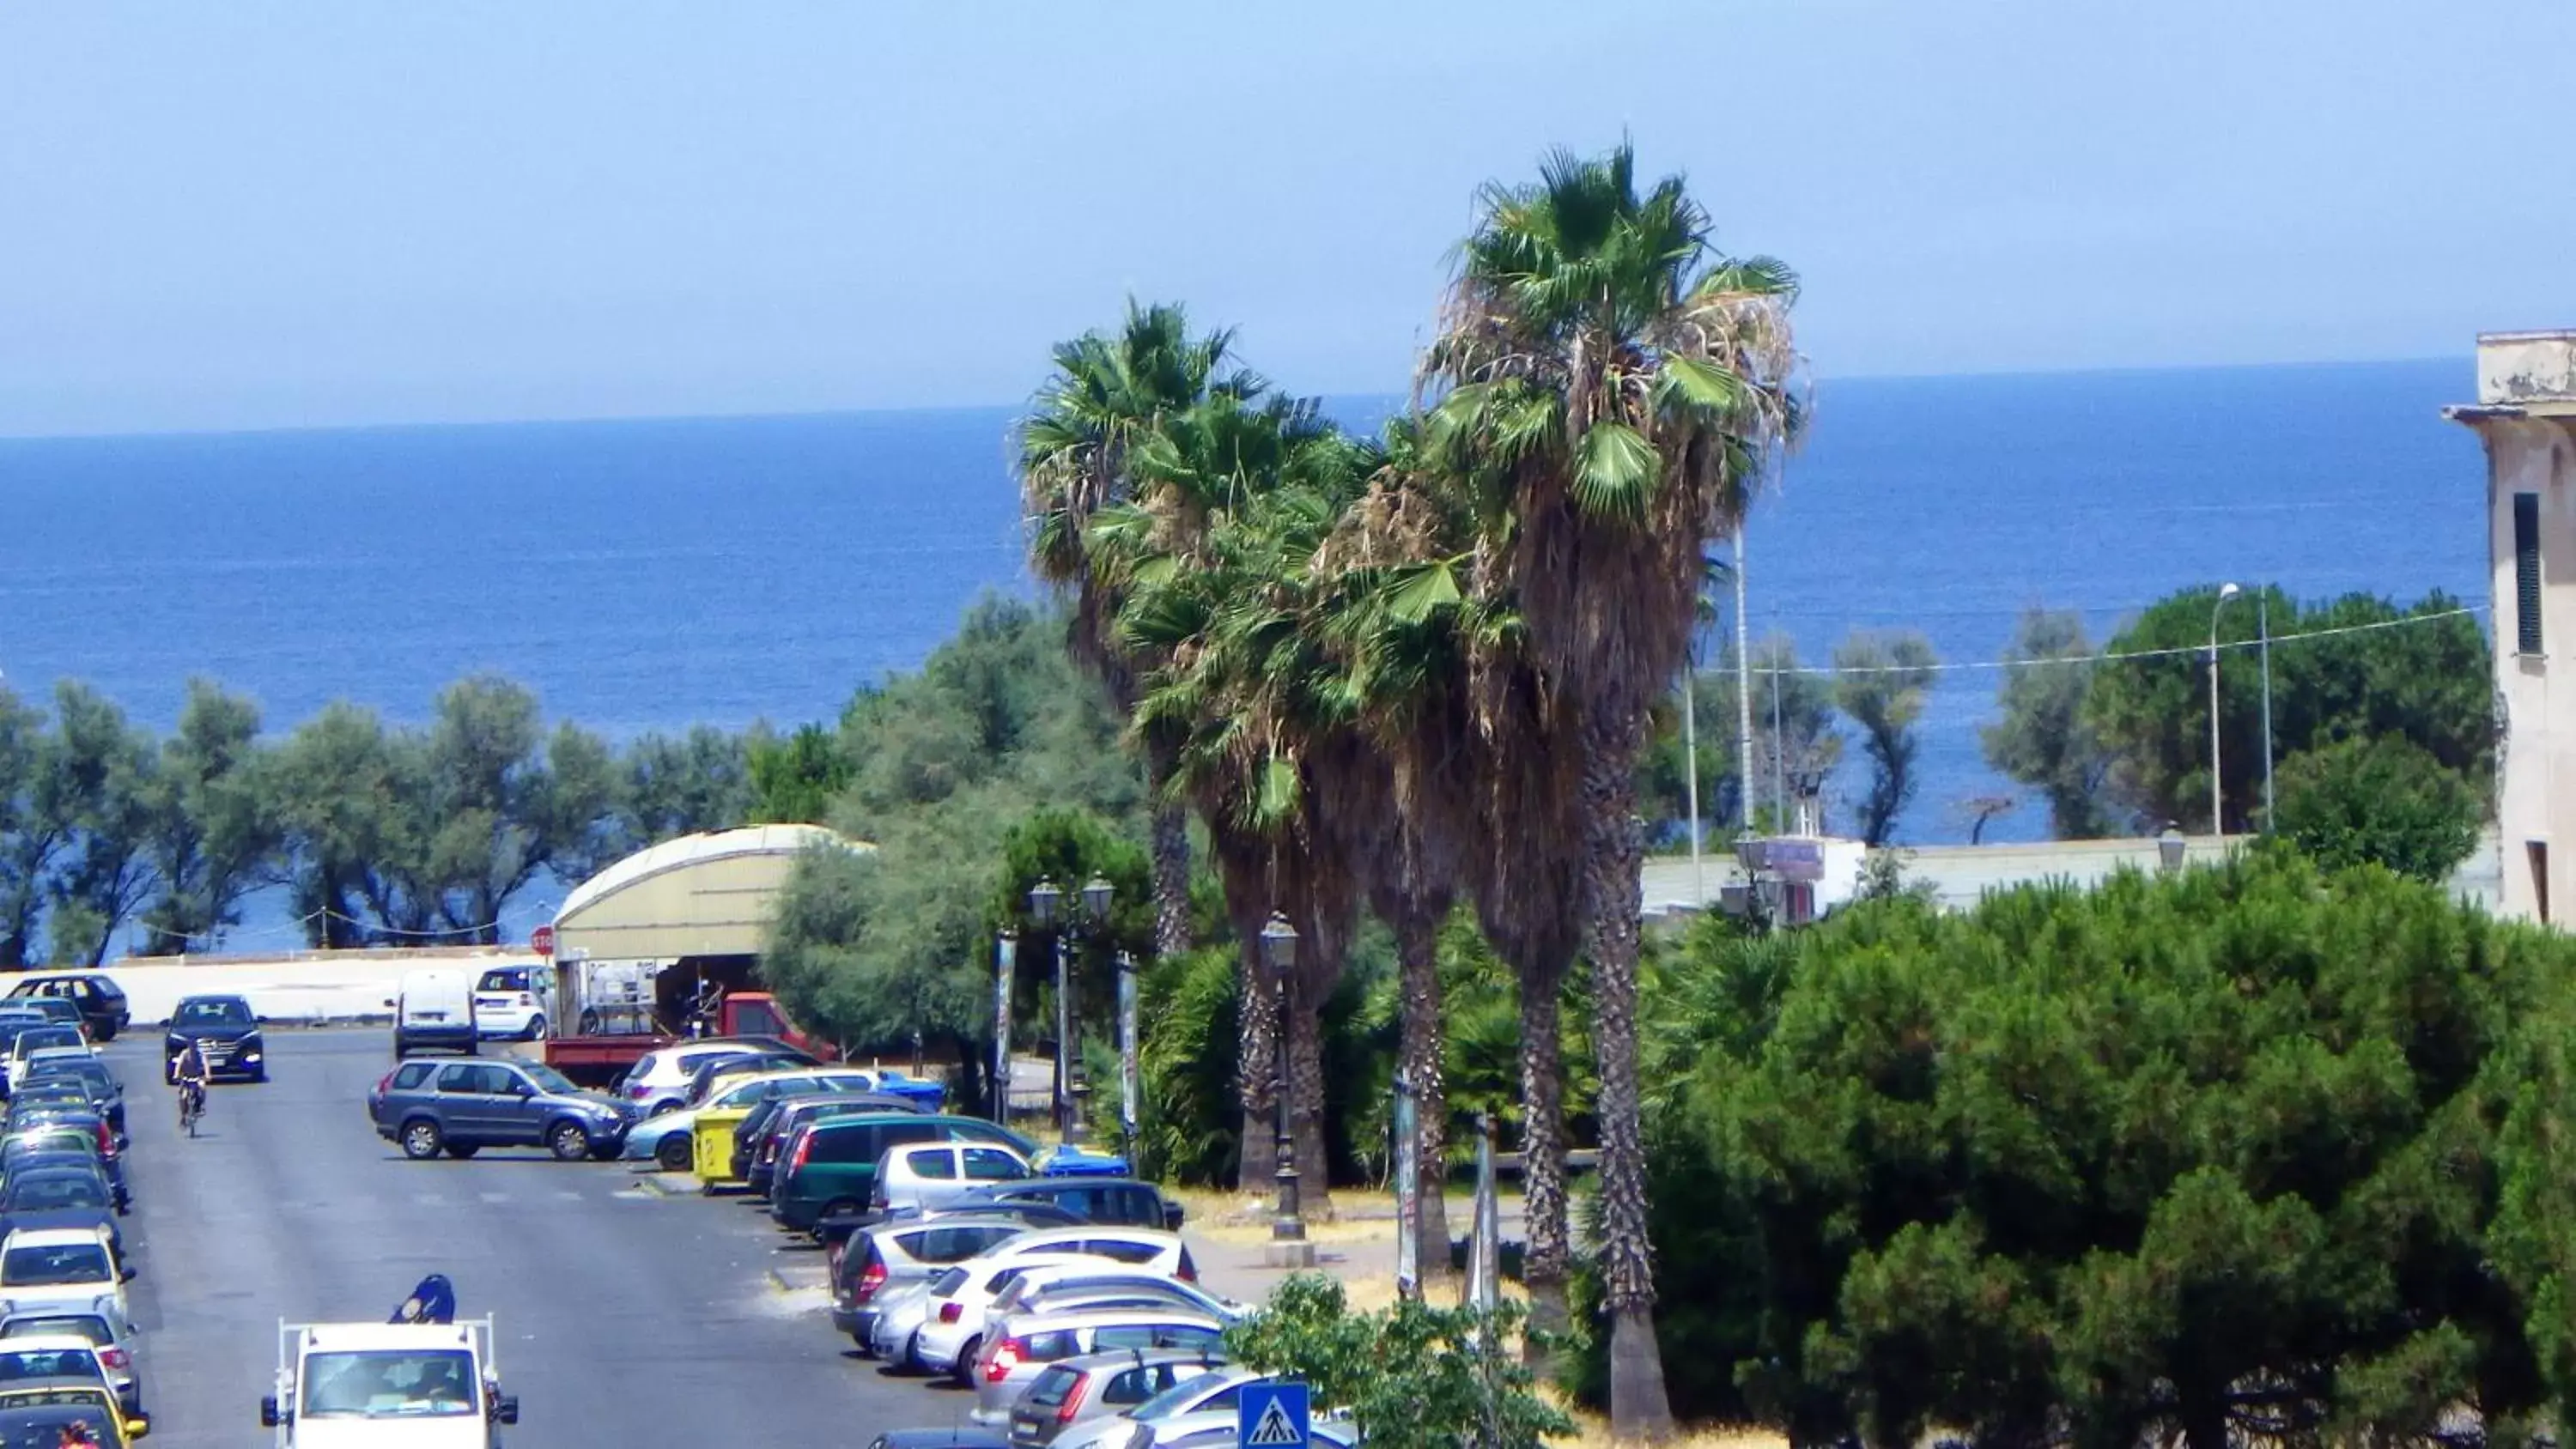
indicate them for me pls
(624, 1317)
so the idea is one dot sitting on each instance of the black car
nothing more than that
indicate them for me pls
(101, 1001)
(92, 1078)
(770, 1119)
(61, 1197)
(59, 1159)
(1122, 1201)
(225, 1030)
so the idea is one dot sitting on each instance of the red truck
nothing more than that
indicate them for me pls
(622, 1011)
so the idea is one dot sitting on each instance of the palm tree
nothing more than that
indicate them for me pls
(1108, 397)
(1616, 388)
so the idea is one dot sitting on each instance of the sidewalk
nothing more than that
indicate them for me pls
(1357, 1247)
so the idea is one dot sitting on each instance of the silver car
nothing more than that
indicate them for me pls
(108, 1331)
(1049, 1290)
(881, 1263)
(1211, 1392)
(1101, 1386)
(1018, 1349)
(923, 1177)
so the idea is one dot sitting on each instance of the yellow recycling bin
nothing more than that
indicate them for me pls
(712, 1137)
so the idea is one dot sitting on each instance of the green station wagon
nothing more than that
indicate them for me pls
(827, 1167)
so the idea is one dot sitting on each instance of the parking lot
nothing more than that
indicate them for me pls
(625, 1315)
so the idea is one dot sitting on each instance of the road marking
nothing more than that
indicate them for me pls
(494, 1197)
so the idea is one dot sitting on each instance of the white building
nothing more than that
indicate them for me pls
(2526, 416)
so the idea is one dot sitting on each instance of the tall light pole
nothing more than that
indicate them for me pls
(2217, 824)
(1096, 894)
(1279, 953)
(1045, 900)
(2263, 632)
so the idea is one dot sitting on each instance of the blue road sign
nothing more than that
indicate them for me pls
(1271, 1416)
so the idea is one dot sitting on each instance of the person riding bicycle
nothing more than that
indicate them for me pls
(189, 1072)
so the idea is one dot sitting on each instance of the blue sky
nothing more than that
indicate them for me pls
(234, 215)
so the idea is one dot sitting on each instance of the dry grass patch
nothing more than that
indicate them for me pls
(1592, 1431)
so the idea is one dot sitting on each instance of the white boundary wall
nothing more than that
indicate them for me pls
(314, 987)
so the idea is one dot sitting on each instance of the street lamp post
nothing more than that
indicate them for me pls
(1045, 900)
(1288, 1245)
(1096, 894)
(2170, 846)
(2217, 823)
(2263, 633)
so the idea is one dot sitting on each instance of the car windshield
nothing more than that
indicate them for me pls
(389, 1384)
(36, 1038)
(45, 1363)
(548, 1079)
(54, 1191)
(38, 1421)
(52, 1263)
(221, 1011)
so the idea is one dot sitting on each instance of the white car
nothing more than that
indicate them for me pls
(668, 1137)
(659, 1081)
(1209, 1393)
(510, 1002)
(953, 1326)
(73, 1268)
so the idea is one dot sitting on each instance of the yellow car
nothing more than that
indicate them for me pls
(32, 1406)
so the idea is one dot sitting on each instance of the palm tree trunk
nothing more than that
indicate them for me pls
(1171, 850)
(1420, 1055)
(1548, 1255)
(1256, 1055)
(1613, 855)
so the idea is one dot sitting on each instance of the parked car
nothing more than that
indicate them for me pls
(510, 1001)
(32, 1164)
(61, 1011)
(225, 1030)
(1121, 1200)
(46, 1267)
(955, 1436)
(101, 1001)
(659, 1080)
(830, 1165)
(758, 1159)
(884, 1261)
(30, 1358)
(66, 1196)
(1058, 1286)
(939, 1305)
(1217, 1391)
(668, 1138)
(73, 1132)
(434, 1010)
(104, 1329)
(838, 1230)
(921, 1176)
(40, 1038)
(1101, 1386)
(93, 1078)
(460, 1108)
(1018, 1349)
(954, 1327)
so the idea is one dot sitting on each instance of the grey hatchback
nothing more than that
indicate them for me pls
(459, 1108)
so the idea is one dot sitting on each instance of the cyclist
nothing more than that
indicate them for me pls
(189, 1072)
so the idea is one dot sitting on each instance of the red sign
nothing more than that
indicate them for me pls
(542, 940)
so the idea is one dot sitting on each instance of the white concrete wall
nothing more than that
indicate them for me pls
(312, 986)
(2536, 782)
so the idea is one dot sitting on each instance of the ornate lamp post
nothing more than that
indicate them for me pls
(1045, 900)
(2170, 846)
(1288, 1246)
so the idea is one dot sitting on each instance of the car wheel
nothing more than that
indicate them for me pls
(673, 1153)
(536, 1029)
(963, 1371)
(461, 1150)
(569, 1141)
(421, 1139)
(907, 1359)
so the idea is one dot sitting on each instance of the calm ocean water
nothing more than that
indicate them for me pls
(651, 574)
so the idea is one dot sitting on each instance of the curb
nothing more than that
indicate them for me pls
(778, 1281)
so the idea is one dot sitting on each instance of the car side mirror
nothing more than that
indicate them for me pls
(268, 1411)
(522, 1089)
(507, 1409)
(389, 1003)
(125, 1272)
(137, 1427)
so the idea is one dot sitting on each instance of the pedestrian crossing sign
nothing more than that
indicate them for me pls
(1271, 1416)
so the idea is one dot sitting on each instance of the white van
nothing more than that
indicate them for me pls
(435, 1011)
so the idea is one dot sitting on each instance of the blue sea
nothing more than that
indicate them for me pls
(646, 575)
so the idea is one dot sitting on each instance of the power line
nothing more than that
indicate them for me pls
(2108, 656)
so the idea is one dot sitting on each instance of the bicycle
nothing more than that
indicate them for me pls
(192, 1105)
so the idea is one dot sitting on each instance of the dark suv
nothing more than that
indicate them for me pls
(225, 1031)
(101, 1001)
(460, 1108)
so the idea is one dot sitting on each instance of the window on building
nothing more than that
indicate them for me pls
(2538, 850)
(2526, 571)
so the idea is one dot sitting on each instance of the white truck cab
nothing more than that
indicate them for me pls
(382, 1385)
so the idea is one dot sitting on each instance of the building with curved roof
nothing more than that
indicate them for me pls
(706, 895)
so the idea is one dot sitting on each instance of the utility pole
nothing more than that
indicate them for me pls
(1743, 689)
